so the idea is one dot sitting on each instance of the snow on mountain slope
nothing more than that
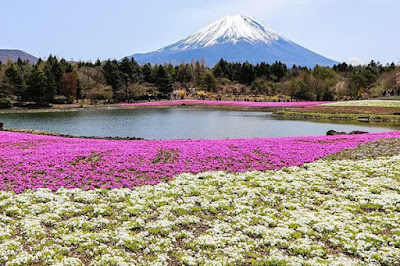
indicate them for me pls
(229, 29)
(237, 39)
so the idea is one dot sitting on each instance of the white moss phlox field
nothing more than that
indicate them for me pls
(327, 212)
(368, 103)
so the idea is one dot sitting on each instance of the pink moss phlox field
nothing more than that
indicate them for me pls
(227, 103)
(35, 161)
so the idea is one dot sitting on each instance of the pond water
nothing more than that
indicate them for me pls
(178, 123)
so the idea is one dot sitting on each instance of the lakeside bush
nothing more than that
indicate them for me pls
(5, 103)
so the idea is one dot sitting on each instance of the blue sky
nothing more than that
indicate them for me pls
(344, 30)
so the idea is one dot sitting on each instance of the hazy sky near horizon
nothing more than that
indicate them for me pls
(355, 31)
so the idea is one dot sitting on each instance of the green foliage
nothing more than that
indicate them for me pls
(301, 91)
(210, 82)
(183, 73)
(147, 73)
(327, 95)
(278, 71)
(5, 103)
(247, 74)
(112, 75)
(263, 87)
(127, 81)
(17, 83)
(60, 99)
(324, 73)
(163, 81)
(223, 70)
(37, 84)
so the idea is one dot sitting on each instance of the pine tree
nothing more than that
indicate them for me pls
(18, 85)
(222, 70)
(112, 75)
(209, 81)
(36, 85)
(163, 81)
(247, 73)
(147, 73)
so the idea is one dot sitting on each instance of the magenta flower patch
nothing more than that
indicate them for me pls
(35, 161)
(227, 103)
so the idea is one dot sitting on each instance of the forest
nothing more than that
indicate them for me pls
(57, 81)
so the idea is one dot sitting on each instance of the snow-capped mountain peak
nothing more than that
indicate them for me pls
(235, 39)
(229, 29)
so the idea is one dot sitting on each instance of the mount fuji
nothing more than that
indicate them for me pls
(236, 39)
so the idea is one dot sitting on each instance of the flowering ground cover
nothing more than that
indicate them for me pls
(340, 212)
(34, 161)
(371, 150)
(337, 109)
(226, 103)
(368, 103)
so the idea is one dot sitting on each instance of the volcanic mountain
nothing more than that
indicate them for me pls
(235, 39)
(13, 55)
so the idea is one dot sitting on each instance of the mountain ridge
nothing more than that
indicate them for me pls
(14, 54)
(236, 38)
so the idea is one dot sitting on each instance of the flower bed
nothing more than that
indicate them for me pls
(325, 213)
(226, 103)
(35, 161)
(368, 103)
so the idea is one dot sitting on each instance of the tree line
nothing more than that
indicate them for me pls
(57, 81)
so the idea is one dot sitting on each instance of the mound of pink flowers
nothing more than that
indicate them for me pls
(227, 103)
(33, 161)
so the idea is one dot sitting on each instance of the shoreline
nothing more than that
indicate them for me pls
(190, 103)
(351, 117)
(278, 109)
(62, 135)
(119, 107)
(71, 136)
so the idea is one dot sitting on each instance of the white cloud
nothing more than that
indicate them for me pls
(355, 60)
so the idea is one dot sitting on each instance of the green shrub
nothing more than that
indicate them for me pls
(5, 103)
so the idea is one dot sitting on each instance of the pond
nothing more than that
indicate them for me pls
(178, 123)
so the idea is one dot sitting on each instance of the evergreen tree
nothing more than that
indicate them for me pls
(163, 81)
(183, 73)
(112, 75)
(327, 95)
(247, 73)
(263, 71)
(18, 85)
(147, 73)
(130, 73)
(222, 70)
(36, 85)
(278, 71)
(210, 82)
(198, 73)
(170, 70)
(341, 67)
